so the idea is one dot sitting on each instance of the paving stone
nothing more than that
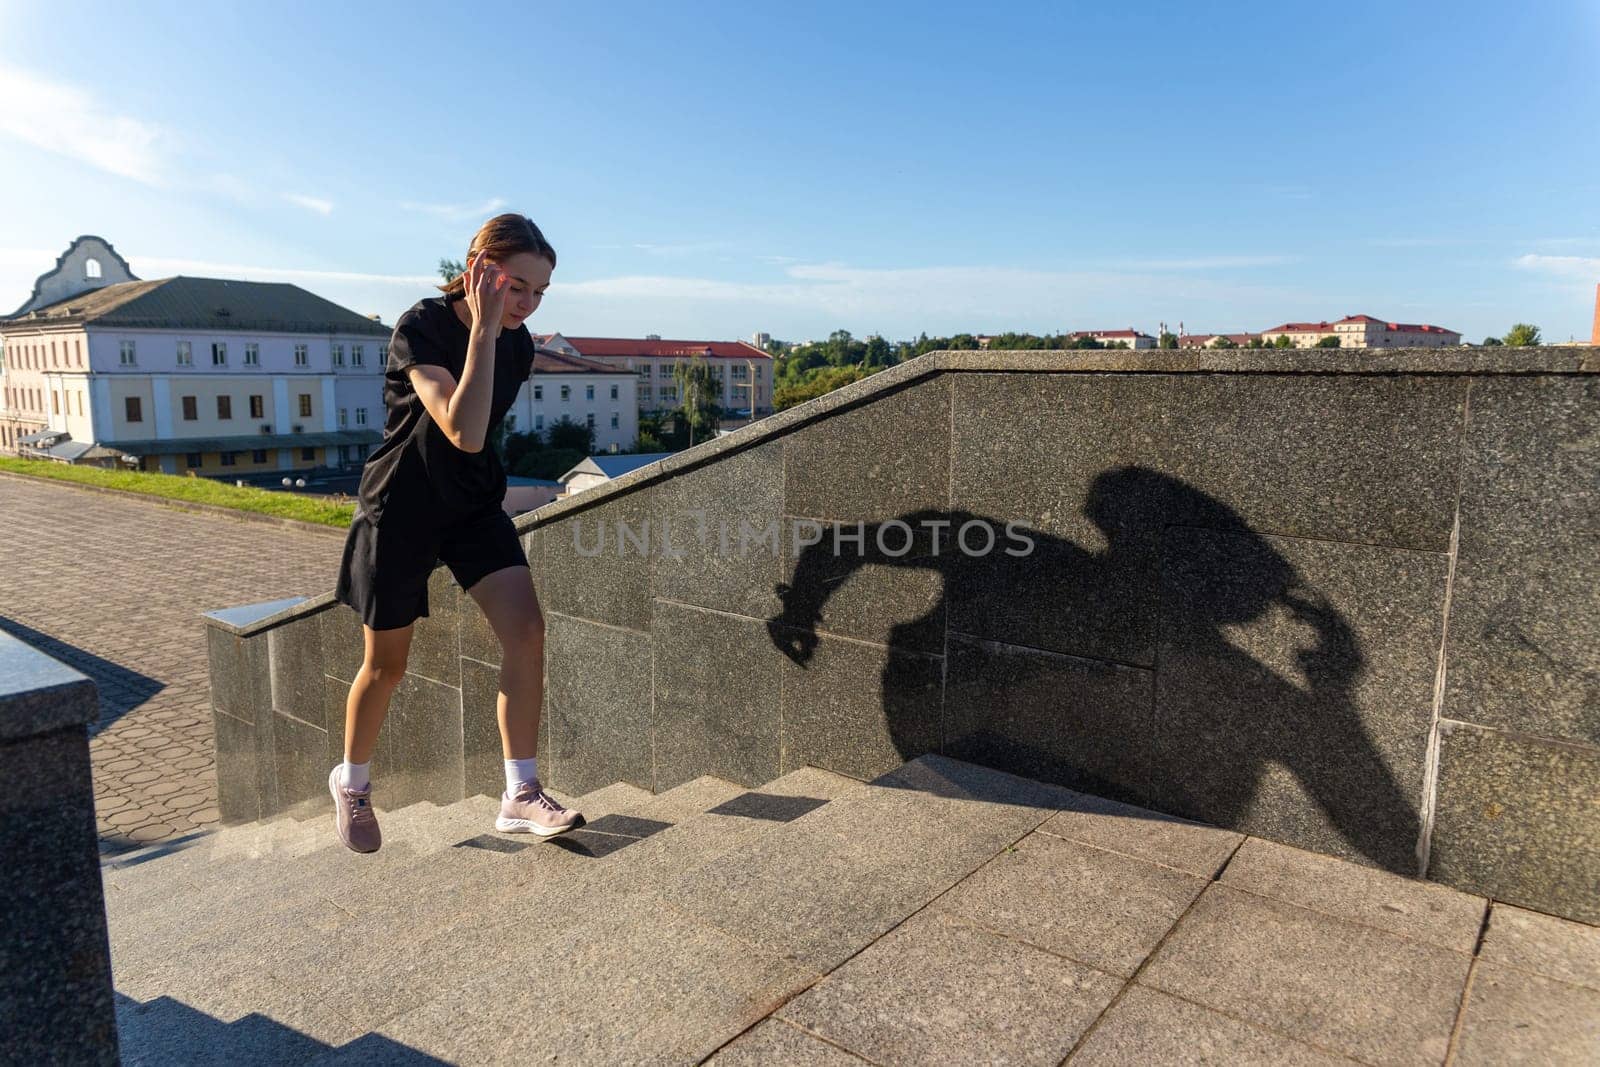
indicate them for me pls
(1345, 988)
(1151, 1028)
(1516, 1017)
(776, 1041)
(936, 990)
(1143, 834)
(1548, 946)
(1405, 906)
(1096, 907)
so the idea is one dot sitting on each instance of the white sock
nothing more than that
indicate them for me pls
(519, 771)
(354, 775)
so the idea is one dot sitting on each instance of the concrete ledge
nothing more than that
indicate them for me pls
(39, 694)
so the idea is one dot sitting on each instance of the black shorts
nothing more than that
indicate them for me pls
(385, 570)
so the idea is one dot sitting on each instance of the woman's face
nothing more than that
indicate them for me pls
(530, 277)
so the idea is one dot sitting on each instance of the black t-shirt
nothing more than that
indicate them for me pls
(416, 476)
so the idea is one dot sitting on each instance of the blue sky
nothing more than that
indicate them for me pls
(709, 170)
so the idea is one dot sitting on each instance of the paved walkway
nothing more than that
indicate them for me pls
(114, 587)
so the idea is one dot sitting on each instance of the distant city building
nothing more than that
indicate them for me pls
(183, 374)
(743, 372)
(761, 340)
(596, 470)
(1364, 331)
(565, 385)
(1131, 338)
(1214, 340)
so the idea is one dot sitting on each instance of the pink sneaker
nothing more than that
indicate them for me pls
(353, 815)
(533, 811)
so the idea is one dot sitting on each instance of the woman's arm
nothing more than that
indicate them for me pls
(461, 409)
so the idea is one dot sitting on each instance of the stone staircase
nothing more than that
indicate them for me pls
(941, 913)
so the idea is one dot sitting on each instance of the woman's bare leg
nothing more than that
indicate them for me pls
(382, 667)
(512, 608)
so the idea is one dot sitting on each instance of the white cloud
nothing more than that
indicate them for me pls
(69, 121)
(159, 267)
(1563, 266)
(1208, 262)
(457, 212)
(310, 203)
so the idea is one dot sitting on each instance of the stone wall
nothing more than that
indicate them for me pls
(55, 954)
(1342, 600)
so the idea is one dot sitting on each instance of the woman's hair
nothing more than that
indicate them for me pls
(500, 238)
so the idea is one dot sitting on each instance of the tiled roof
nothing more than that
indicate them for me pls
(549, 361)
(1111, 333)
(213, 304)
(630, 346)
(1302, 327)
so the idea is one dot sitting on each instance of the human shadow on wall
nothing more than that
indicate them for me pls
(1197, 734)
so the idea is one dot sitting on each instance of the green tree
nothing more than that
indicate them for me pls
(1492, 342)
(449, 268)
(1522, 335)
(1168, 340)
(1223, 341)
(1328, 342)
(1282, 341)
(698, 393)
(572, 436)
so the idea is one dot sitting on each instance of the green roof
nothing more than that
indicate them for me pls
(211, 304)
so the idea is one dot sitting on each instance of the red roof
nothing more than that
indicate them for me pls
(1110, 333)
(594, 347)
(1201, 340)
(1398, 327)
(1302, 327)
(550, 361)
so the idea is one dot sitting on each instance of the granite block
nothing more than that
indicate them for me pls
(1548, 946)
(300, 761)
(238, 784)
(873, 462)
(55, 963)
(478, 640)
(240, 677)
(296, 667)
(716, 697)
(1518, 819)
(1350, 989)
(874, 581)
(1100, 908)
(343, 642)
(939, 991)
(1404, 906)
(1101, 463)
(1192, 847)
(435, 651)
(1085, 724)
(720, 534)
(1148, 1027)
(335, 702)
(597, 562)
(420, 749)
(598, 705)
(1516, 1017)
(859, 709)
(39, 694)
(1525, 605)
(1294, 699)
(482, 751)
(775, 1041)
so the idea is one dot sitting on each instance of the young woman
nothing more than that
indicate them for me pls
(432, 492)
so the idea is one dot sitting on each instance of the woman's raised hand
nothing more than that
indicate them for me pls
(487, 286)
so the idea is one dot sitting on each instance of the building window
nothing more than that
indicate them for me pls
(647, 393)
(344, 417)
(185, 354)
(383, 353)
(252, 355)
(308, 454)
(224, 407)
(613, 392)
(191, 459)
(588, 392)
(644, 371)
(361, 416)
(538, 392)
(338, 355)
(55, 402)
(229, 458)
(219, 353)
(566, 392)
(191, 411)
(305, 405)
(258, 408)
(614, 418)
(538, 422)
(126, 352)
(358, 355)
(91, 269)
(302, 356)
